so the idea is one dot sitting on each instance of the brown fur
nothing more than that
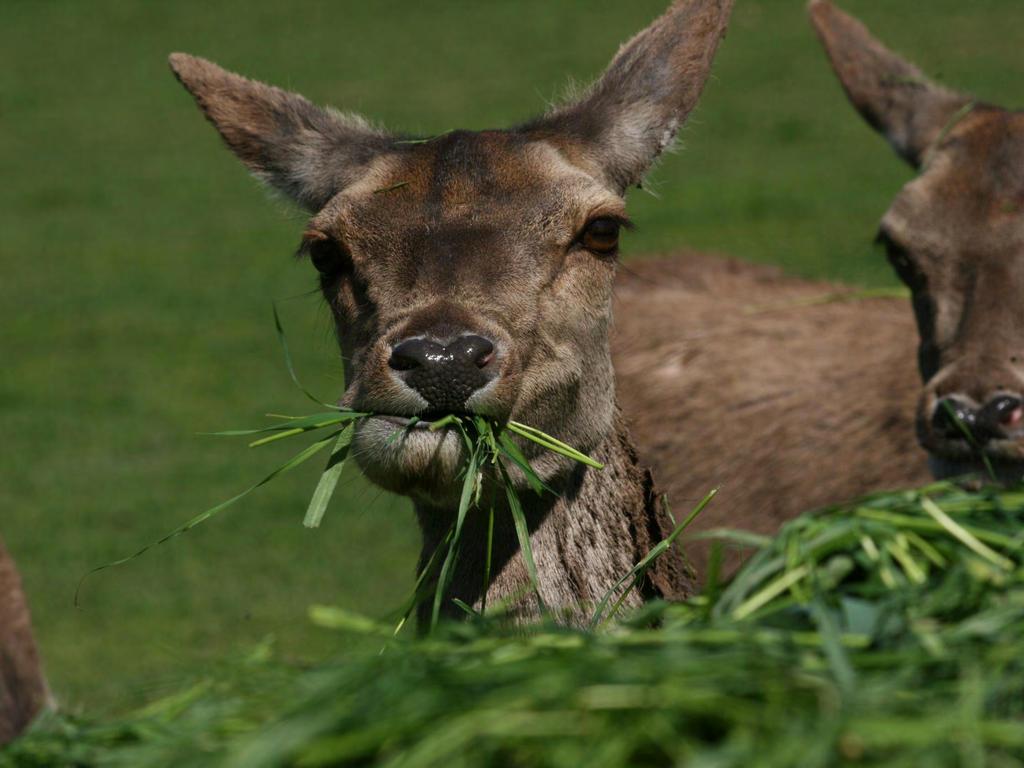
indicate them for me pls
(23, 692)
(485, 234)
(799, 404)
(585, 539)
(782, 405)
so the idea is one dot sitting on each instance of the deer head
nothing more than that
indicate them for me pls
(471, 272)
(955, 236)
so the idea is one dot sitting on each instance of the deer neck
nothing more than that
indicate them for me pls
(584, 539)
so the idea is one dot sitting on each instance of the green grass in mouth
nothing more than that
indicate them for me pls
(489, 447)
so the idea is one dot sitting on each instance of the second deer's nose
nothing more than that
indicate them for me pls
(953, 418)
(445, 375)
(1005, 412)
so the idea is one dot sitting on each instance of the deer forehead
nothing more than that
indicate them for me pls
(981, 166)
(971, 192)
(465, 180)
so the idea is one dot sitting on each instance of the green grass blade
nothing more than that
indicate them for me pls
(972, 441)
(283, 341)
(836, 297)
(770, 592)
(509, 448)
(286, 433)
(465, 502)
(486, 431)
(926, 549)
(552, 444)
(465, 608)
(329, 479)
(306, 453)
(713, 577)
(900, 552)
(425, 140)
(522, 532)
(641, 568)
(832, 644)
(924, 525)
(333, 617)
(487, 560)
(301, 423)
(402, 433)
(419, 590)
(443, 422)
(733, 536)
(959, 532)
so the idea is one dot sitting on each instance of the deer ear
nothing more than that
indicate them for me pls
(632, 113)
(890, 93)
(304, 151)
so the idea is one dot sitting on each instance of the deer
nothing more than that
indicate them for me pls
(790, 403)
(23, 689)
(472, 273)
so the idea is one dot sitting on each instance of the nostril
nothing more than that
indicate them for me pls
(402, 362)
(1015, 418)
(953, 417)
(1006, 411)
(412, 353)
(473, 349)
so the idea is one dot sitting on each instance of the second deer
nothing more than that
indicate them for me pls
(790, 404)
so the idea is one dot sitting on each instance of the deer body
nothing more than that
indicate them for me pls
(757, 387)
(23, 691)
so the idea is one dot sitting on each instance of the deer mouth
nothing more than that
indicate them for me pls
(999, 460)
(962, 437)
(1007, 448)
(406, 422)
(981, 469)
(403, 455)
(406, 432)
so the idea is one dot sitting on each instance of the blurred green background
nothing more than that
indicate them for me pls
(140, 262)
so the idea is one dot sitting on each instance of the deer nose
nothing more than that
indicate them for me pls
(953, 417)
(445, 375)
(1000, 414)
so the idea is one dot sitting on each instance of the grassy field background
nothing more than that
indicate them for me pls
(139, 263)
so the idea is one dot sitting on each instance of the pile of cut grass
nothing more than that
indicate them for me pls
(886, 633)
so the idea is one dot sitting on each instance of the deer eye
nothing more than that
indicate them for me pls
(601, 236)
(904, 266)
(901, 260)
(326, 253)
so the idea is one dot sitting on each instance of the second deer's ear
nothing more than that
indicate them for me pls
(629, 116)
(890, 93)
(306, 152)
